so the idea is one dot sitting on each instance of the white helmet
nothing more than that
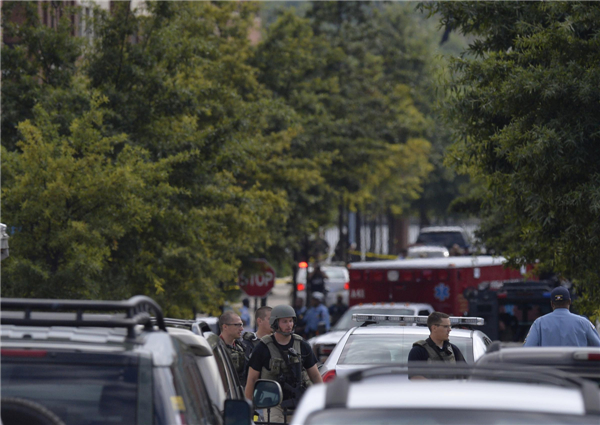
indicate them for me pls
(318, 295)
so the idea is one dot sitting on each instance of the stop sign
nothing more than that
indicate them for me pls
(257, 279)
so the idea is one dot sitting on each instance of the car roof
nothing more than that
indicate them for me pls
(439, 229)
(387, 392)
(543, 355)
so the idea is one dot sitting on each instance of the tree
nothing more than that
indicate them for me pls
(72, 198)
(524, 115)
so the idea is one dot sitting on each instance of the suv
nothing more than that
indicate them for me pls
(447, 236)
(90, 369)
(337, 283)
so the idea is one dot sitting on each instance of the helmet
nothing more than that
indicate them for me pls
(318, 295)
(279, 312)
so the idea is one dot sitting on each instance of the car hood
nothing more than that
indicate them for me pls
(328, 338)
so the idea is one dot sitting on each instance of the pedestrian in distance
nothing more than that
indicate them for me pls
(286, 358)
(231, 330)
(436, 348)
(245, 314)
(300, 310)
(316, 281)
(317, 316)
(337, 310)
(561, 327)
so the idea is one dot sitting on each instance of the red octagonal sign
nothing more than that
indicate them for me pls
(257, 279)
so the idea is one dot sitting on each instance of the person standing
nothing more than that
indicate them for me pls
(286, 358)
(337, 310)
(316, 281)
(231, 330)
(436, 348)
(316, 315)
(561, 327)
(263, 328)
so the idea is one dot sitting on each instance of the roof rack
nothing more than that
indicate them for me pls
(137, 312)
(419, 320)
(337, 390)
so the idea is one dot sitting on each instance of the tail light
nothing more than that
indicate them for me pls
(329, 375)
(347, 285)
(301, 287)
(584, 356)
(303, 265)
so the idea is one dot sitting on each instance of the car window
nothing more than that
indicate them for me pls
(446, 239)
(337, 274)
(346, 321)
(79, 394)
(441, 417)
(390, 348)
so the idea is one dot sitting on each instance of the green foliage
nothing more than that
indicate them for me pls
(524, 112)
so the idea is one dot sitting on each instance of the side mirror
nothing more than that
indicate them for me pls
(267, 394)
(237, 412)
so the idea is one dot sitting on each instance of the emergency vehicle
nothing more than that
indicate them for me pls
(436, 281)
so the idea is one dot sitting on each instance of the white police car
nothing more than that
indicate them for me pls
(323, 345)
(390, 342)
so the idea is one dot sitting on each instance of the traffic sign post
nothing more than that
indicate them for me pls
(258, 279)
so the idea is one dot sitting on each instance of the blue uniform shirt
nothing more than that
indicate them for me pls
(562, 328)
(314, 316)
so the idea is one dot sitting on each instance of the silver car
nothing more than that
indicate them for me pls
(337, 282)
(324, 344)
(365, 346)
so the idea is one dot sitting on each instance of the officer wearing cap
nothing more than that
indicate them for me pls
(316, 315)
(561, 327)
(286, 358)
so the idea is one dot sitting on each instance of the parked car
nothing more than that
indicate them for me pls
(512, 395)
(581, 361)
(89, 369)
(386, 341)
(446, 236)
(324, 344)
(337, 282)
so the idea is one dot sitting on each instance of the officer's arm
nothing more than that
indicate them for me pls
(593, 340)
(533, 337)
(314, 375)
(253, 376)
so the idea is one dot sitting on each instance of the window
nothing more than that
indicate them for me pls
(80, 394)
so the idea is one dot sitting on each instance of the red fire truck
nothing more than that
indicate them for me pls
(436, 281)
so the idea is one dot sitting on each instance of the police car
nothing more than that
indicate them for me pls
(385, 339)
(492, 396)
(324, 344)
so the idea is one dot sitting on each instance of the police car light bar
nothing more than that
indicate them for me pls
(419, 320)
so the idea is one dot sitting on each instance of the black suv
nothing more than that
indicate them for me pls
(90, 369)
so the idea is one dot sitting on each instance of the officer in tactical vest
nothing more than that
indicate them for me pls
(436, 348)
(263, 328)
(286, 358)
(231, 330)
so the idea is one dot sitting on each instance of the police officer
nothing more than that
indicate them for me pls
(286, 358)
(263, 328)
(316, 315)
(561, 327)
(231, 330)
(436, 348)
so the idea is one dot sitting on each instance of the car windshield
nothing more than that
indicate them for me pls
(335, 274)
(390, 348)
(442, 417)
(346, 322)
(79, 394)
(446, 239)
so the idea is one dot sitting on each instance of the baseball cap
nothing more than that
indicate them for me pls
(318, 295)
(560, 294)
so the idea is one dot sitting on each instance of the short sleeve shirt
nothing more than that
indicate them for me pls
(261, 356)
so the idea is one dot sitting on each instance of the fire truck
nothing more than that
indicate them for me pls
(436, 281)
